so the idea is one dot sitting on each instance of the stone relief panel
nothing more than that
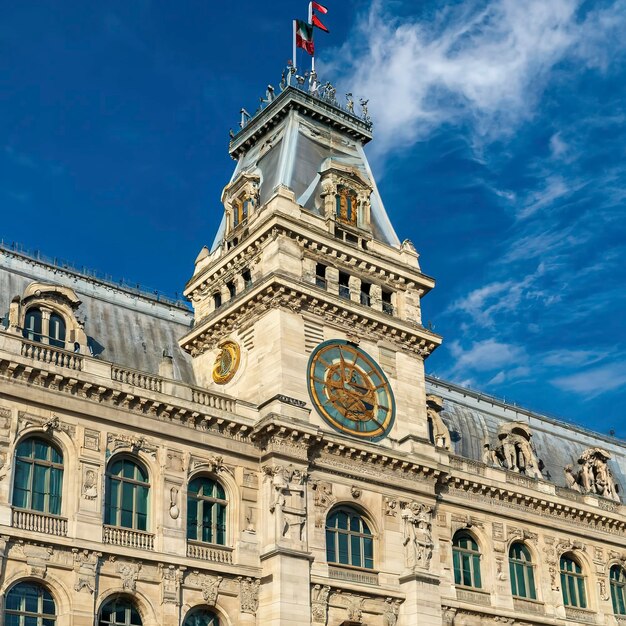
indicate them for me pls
(319, 603)
(288, 501)
(249, 595)
(323, 499)
(86, 565)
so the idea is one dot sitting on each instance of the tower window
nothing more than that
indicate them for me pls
(232, 290)
(217, 300)
(344, 285)
(247, 278)
(241, 210)
(387, 306)
(346, 205)
(320, 275)
(365, 294)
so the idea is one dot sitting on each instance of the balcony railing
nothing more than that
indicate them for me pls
(39, 522)
(216, 554)
(580, 615)
(353, 575)
(523, 605)
(47, 354)
(127, 538)
(211, 400)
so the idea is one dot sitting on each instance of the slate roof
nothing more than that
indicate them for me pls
(124, 326)
(473, 417)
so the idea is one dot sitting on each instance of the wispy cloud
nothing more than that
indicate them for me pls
(485, 63)
(595, 381)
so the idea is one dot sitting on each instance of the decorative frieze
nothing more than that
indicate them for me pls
(249, 595)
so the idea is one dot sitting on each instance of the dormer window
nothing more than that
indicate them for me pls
(241, 209)
(346, 205)
(39, 327)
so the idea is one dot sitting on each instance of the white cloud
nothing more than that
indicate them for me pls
(593, 382)
(488, 65)
(486, 355)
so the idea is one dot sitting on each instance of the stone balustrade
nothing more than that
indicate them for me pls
(54, 356)
(352, 575)
(212, 400)
(136, 378)
(216, 554)
(127, 538)
(39, 522)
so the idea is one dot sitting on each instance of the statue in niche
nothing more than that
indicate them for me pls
(319, 603)
(440, 434)
(418, 544)
(594, 475)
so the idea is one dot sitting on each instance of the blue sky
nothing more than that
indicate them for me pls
(499, 150)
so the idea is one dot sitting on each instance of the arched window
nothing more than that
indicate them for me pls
(346, 207)
(38, 476)
(349, 540)
(57, 331)
(201, 617)
(127, 492)
(32, 325)
(119, 612)
(206, 511)
(522, 572)
(572, 583)
(618, 589)
(29, 604)
(466, 560)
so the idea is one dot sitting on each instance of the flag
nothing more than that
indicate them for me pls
(316, 22)
(319, 7)
(304, 36)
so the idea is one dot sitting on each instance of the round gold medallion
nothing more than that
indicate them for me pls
(227, 362)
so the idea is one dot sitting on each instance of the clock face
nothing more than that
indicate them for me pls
(350, 391)
(226, 363)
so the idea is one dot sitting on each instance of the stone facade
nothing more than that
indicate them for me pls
(225, 402)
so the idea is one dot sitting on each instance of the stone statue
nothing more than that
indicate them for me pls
(364, 110)
(594, 475)
(516, 452)
(417, 540)
(390, 612)
(350, 104)
(313, 84)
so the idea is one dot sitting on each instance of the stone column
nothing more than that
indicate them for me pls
(376, 297)
(332, 280)
(423, 599)
(355, 288)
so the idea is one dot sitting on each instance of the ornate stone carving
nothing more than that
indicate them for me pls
(173, 509)
(86, 567)
(288, 500)
(514, 450)
(129, 573)
(319, 603)
(37, 558)
(171, 580)
(249, 595)
(441, 434)
(391, 609)
(355, 608)
(355, 492)
(417, 538)
(594, 475)
(117, 442)
(391, 505)
(551, 560)
(323, 500)
(89, 490)
(210, 586)
(214, 463)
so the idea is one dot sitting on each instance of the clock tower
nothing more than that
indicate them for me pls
(307, 294)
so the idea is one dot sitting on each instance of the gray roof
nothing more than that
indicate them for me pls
(473, 417)
(126, 327)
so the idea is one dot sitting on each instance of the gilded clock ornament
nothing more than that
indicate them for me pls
(226, 362)
(350, 390)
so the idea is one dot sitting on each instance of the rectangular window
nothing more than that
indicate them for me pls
(365, 294)
(247, 278)
(387, 306)
(344, 285)
(232, 291)
(320, 275)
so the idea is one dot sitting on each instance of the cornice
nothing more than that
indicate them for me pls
(287, 293)
(316, 240)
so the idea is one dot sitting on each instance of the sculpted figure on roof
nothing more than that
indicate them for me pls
(515, 450)
(594, 475)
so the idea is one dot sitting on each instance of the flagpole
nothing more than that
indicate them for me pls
(294, 44)
(311, 23)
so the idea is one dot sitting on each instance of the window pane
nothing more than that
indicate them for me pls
(566, 600)
(22, 484)
(531, 583)
(466, 567)
(519, 574)
(477, 580)
(356, 551)
(581, 593)
(343, 549)
(192, 519)
(330, 547)
(368, 546)
(456, 561)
